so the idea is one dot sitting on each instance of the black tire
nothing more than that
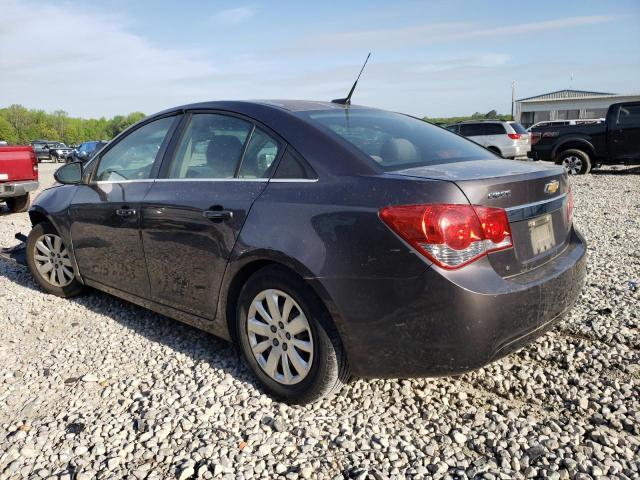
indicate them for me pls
(18, 204)
(575, 162)
(72, 289)
(329, 369)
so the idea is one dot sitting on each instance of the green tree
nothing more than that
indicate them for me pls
(7, 132)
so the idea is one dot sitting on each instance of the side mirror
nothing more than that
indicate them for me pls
(69, 174)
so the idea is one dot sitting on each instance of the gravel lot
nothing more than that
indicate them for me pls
(98, 388)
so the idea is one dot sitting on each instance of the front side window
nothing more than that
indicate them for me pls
(396, 141)
(211, 147)
(132, 157)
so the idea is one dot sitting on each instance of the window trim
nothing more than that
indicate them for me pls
(95, 162)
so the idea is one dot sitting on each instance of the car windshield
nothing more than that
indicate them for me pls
(395, 141)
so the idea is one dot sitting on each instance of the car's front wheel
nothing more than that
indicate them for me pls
(287, 338)
(50, 262)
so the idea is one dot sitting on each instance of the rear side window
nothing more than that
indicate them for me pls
(293, 166)
(471, 129)
(210, 147)
(261, 152)
(494, 129)
(132, 157)
(517, 127)
(629, 115)
(395, 141)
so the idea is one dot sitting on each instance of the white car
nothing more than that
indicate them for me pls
(561, 123)
(507, 139)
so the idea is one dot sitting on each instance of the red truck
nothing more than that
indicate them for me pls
(18, 177)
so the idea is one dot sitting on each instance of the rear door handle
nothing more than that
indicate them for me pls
(126, 212)
(218, 214)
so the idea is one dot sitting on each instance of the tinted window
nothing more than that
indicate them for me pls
(629, 115)
(261, 152)
(452, 128)
(292, 166)
(471, 129)
(494, 129)
(396, 141)
(517, 127)
(210, 147)
(132, 157)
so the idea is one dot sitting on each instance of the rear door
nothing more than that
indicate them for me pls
(193, 213)
(494, 134)
(105, 212)
(624, 134)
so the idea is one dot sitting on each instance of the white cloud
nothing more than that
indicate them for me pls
(234, 16)
(436, 33)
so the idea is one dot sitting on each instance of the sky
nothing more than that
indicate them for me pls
(429, 58)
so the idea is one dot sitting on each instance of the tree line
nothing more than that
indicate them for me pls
(20, 125)
(491, 115)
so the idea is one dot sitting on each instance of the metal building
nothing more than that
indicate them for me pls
(567, 105)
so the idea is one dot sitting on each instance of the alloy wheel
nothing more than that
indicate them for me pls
(280, 336)
(52, 260)
(572, 164)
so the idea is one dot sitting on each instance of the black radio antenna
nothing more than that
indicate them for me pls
(347, 100)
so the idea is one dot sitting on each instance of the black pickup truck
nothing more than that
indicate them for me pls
(580, 147)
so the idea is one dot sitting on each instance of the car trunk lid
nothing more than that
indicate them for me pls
(534, 196)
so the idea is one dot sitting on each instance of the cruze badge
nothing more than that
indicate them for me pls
(552, 186)
(500, 194)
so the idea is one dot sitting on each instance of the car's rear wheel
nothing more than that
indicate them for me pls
(50, 261)
(287, 338)
(495, 150)
(575, 162)
(18, 204)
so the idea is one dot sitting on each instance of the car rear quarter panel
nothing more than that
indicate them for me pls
(329, 232)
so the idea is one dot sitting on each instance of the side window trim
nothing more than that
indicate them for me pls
(159, 156)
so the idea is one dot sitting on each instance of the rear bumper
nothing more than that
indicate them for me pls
(17, 189)
(444, 323)
(516, 151)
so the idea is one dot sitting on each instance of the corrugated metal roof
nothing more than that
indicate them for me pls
(564, 94)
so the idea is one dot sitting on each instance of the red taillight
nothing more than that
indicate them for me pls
(535, 137)
(514, 136)
(569, 206)
(34, 163)
(450, 235)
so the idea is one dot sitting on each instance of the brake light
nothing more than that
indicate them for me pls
(514, 136)
(535, 137)
(569, 206)
(450, 235)
(34, 163)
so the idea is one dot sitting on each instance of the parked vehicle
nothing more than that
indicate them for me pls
(326, 240)
(18, 176)
(561, 123)
(49, 150)
(58, 152)
(507, 139)
(578, 148)
(85, 151)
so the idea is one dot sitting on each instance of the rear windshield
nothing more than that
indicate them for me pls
(517, 127)
(396, 141)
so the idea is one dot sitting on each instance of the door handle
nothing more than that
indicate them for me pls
(218, 214)
(126, 212)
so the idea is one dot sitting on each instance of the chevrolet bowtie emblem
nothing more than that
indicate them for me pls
(552, 186)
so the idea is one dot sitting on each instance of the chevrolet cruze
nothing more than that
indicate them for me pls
(328, 241)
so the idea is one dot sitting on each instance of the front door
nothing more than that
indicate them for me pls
(625, 134)
(105, 213)
(193, 214)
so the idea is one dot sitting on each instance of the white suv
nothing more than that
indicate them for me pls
(507, 139)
